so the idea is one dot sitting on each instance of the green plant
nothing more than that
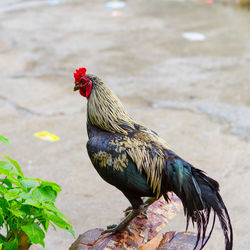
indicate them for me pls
(26, 207)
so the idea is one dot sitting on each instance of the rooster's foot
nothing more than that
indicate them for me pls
(128, 210)
(124, 224)
(143, 215)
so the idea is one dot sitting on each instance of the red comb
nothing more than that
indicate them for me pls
(79, 73)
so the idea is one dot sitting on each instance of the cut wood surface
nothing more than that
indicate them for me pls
(146, 232)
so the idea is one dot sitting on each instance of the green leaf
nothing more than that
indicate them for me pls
(60, 222)
(35, 234)
(17, 213)
(52, 208)
(4, 140)
(32, 203)
(12, 194)
(17, 166)
(45, 223)
(2, 239)
(6, 168)
(1, 217)
(70, 230)
(31, 211)
(4, 205)
(3, 189)
(25, 195)
(7, 182)
(11, 245)
(57, 220)
(44, 194)
(53, 185)
(28, 184)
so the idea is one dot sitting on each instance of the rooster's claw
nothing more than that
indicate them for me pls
(115, 229)
(111, 226)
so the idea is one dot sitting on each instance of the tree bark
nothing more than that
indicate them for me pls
(146, 232)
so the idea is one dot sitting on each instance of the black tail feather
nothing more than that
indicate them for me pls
(210, 233)
(199, 194)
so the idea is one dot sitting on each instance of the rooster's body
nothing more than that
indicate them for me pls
(140, 164)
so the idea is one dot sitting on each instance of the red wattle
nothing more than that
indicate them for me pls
(86, 91)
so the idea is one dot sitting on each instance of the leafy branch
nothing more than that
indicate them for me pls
(27, 207)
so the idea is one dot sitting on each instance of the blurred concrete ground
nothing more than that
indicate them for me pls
(195, 94)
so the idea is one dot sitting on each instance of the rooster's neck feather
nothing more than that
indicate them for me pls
(105, 111)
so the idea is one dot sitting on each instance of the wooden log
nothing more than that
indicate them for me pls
(145, 231)
(174, 240)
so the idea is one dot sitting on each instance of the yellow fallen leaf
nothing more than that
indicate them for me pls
(45, 135)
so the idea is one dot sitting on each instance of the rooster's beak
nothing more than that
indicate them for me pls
(76, 87)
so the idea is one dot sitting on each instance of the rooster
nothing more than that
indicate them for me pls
(139, 163)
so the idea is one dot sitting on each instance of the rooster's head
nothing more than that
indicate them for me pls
(82, 82)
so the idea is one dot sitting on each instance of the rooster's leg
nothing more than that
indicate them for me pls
(123, 225)
(149, 201)
(146, 204)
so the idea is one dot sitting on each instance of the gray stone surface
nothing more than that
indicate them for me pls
(195, 94)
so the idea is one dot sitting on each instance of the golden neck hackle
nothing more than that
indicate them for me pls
(105, 110)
